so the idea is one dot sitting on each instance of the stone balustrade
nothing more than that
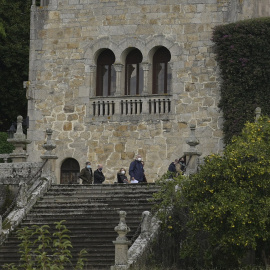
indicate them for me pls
(154, 106)
(4, 157)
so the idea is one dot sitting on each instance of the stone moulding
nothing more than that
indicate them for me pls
(149, 230)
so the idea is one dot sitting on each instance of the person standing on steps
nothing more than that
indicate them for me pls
(136, 170)
(121, 177)
(99, 177)
(86, 174)
(172, 167)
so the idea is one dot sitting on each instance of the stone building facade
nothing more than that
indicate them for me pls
(116, 78)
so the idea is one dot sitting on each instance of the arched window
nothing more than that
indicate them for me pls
(106, 76)
(161, 71)
(134, 73)
(70, 171)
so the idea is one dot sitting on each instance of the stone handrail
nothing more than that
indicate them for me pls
(23, 205)
(149, 229)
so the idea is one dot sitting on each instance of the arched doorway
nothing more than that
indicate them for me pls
(70, 171)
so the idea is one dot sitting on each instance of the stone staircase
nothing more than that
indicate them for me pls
(91, 214)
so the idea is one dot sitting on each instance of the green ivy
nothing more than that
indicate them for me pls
(242, 53)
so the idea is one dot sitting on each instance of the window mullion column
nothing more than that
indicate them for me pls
(145, 67)
(118, 69)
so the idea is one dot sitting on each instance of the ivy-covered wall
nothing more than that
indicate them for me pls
(243, 55)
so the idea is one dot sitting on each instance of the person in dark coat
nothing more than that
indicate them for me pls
(172, 167)
(144, 178)
(136, 170)
(99, 177)
(121, 177)
(86, 174)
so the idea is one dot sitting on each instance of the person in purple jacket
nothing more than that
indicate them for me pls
(136, 170)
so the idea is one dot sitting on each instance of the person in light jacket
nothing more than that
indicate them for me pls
(99, 177)
(136, 170)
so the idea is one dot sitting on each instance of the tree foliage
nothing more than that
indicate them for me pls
(225, 207)
(14, 57)
(242, 55)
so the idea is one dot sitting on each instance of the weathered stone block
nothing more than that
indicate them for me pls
(67, 126)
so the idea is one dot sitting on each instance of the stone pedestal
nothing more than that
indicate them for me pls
(121, 244)
(19, 141)
(192, 155)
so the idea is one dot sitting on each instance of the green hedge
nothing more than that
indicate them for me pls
(243, 55)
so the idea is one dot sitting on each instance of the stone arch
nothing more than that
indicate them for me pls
(94, 49)
(161, 40)
(127, 45)
(69, 171)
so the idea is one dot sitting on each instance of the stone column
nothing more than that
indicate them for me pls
(145, 67)
(121, 243)
(92, 69)
(258, 112)
(118, 69)
(49, 146)
(22, 196)
(192, 155)
(19, 141)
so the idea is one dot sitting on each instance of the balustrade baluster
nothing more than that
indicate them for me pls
(106, 109)
(153, 106)
(167, 106)
(94, 108)
(157, 106)
(130, 107)
(163, 101)
(98, 112)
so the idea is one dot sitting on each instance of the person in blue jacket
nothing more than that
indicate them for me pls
(136, 170)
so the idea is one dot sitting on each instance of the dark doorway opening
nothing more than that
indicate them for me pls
(70, 171)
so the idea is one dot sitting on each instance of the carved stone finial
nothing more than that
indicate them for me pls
(122, 229)
(192, 141)
(19, 133)
(146, 220)
(192, 154)
(49, 145)
(121, 243)
(19, 141)
(258, 112)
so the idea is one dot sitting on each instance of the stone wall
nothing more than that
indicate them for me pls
(66, 38)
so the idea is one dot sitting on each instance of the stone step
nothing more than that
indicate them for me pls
(91, 213)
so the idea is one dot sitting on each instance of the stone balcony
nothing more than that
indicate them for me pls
(131, 108)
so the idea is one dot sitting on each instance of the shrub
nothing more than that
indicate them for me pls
(41, 251)
(242, 53)
(225, 207)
